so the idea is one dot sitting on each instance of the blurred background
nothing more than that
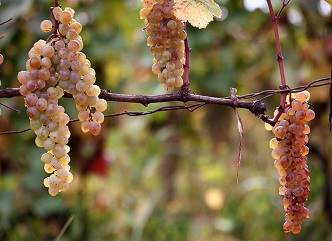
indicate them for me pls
(170, 175)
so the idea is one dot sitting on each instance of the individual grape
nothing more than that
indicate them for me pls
(47, 182)
(48, 168)
(62, 173)
(54, 181)
(85, 126)
(46, 157)
(280, 132)
(101, 105)
(63, 186)
(69, 178)
(48, 51)
(59, 151)
(65, 17)
(31, 99)
(94, 128)
(309, 115)
(65, 159)
(56, 12)
(56, 163)
(289, 151)
(46, 26)
(98, 117)
(53, 191)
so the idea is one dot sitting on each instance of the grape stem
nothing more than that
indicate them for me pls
(280, 58)
(185, 87)
(56, 23)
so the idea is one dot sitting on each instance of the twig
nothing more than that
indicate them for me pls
(14, 132)
(269, 93)
(64, 228)
(280, 58)
(284, 4)
(240, 128)
(8, 107)
(5, 22)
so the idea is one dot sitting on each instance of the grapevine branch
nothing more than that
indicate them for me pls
(256, 107)
(149, 99)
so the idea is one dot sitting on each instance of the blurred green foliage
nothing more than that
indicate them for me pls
(171, 176)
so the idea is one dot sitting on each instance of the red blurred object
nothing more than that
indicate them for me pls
(100, 163)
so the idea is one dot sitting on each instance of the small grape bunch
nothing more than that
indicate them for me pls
(290, 151)
(54, 67)
(166, 36)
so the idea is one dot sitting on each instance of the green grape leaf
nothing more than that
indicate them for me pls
(199, 13)
(329, 1)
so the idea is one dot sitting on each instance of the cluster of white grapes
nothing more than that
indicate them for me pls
(54, 67)
(289, 151)
(166, 37)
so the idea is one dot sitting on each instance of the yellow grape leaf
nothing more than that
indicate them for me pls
(197, 12)
(329, 1)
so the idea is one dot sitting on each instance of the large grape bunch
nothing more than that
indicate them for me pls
(289, 151)
(166, 37)
(56, 66)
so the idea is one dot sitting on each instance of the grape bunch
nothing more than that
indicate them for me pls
(166, 37)
(289, 151)
(54, 67)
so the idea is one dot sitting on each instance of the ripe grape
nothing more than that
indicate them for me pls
(46, 26)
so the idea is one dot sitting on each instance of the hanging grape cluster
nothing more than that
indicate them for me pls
(166, 37)
(54, 67)
(290, 151)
